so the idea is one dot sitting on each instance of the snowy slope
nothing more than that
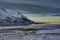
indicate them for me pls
(13, 17)
(10, 13)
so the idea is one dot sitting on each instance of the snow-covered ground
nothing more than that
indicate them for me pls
(34, 26)
(31, 35)
(45, 34)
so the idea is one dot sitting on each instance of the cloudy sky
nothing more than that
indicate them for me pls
(36, 10)
(44, 6)
(43, 17)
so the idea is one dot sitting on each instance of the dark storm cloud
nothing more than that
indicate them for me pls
(36, 6)
(48, 14)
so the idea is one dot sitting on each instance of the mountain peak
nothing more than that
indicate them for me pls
(13, 18)
(5, 13)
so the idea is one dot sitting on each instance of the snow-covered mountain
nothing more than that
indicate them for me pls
(13, 17)
(10, 13)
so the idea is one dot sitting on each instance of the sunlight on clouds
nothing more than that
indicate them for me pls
(50, 19)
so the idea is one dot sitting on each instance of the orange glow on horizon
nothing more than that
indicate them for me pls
(48, 21)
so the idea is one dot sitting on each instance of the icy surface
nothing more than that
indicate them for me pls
(43, 34)
(28, 35)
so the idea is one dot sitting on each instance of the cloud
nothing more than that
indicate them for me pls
(56, 14)
(40, 14)
(37, 6)
(50, 14)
